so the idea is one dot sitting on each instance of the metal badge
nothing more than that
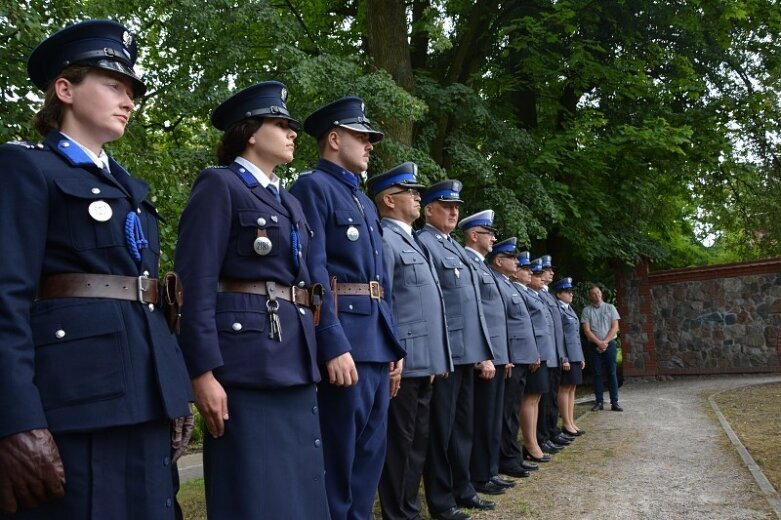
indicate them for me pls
(127, 39)
(100, 211)
(352, 233)
(262, 246)
(283, 94)
(274, 218)
(457, 272)
(261, 222)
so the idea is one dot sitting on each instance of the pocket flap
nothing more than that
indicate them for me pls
(237, 322)
(451, 262)
(412, 329)
(347, 218)
(85, 188)
(56, 324)
(249, 218)
(411, 257)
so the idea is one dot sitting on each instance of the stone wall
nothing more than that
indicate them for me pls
(717, 319)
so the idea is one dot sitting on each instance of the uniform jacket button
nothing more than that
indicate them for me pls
(236, 326)
(59, 334)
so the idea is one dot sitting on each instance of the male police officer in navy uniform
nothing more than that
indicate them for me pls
(90, 374)
(479, 237)
(420, 322)
(355, 335)
(452, 402)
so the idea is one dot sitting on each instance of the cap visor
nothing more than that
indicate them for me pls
(374, 135)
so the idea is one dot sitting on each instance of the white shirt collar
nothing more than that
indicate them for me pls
(403, 225)
(259, 174)
(475, 252)
(101, 161)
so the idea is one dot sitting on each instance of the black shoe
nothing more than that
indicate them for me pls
(616, 408)
(516, 471)
(503, 482)
(475, 502)
(597, 407)
(564, 441)
(451, 514)
(573, 434)
(489, 488)
(529, 466)
(547, 447)
(529, 456)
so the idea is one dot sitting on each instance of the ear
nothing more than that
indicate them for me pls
(387, 199)
(332, 141)
(64, 90)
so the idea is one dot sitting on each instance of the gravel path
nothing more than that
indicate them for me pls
(664, 457)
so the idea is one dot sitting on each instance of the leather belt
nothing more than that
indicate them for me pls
(296, 295)
(372, 289)
(85, 285)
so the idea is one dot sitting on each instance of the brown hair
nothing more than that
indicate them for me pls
(49, 117)
(234, 139)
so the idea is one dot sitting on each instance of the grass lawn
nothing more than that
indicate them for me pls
(754, 412)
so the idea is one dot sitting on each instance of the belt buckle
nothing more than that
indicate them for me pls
(141, 288)
(293, 294)
(374, 290)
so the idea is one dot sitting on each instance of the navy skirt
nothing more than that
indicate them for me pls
(269, 463)
(537, 382)
(573, 376)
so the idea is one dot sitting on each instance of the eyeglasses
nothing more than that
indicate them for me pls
(410, 191)
(492, 233)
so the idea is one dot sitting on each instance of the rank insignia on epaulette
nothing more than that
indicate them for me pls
(27, 144)
(307, 172)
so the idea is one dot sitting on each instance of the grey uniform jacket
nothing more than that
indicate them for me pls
(469, 338)
(571, 326)
(416, 298)
(542, 321)
(558, 334)
(493, 309)
(521, 343)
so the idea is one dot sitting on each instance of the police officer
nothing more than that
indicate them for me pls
(447, 474)
(479, 237)
(248, 331)
(420, 324)
(572, 370)
(522, 351)
(548, 429)
(537, 380)
(90, 374)
(358, 343)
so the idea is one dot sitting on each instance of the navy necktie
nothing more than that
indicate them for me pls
(273, 190)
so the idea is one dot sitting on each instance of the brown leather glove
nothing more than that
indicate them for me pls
(181, 433)
(31, 470)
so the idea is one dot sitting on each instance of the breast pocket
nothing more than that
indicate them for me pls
(349, 227)
(95, 212)
(487, 286)
(453, 271)
(415, 268)
(255, 224)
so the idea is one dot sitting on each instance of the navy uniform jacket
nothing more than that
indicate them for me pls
(493, 308)
(78, 364)
(521, 344)
(469, 337)
(333, 205)
(571, 327)
(228, 332)
(558, 334)
(542, 322)
(417, 304)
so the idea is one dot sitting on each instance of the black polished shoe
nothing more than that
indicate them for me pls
(516, 471)
(564, 441)
(547, 447)
(616, 408)
(451, 514)
(475, 502)
(503, 482)
(573, 434)
(529, 466)
(597, 407)
(489, 488)
(529, 456)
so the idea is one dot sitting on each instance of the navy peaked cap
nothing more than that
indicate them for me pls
(524, 259)
(547, 262)
(348, 112)
(265, 99)
(483, 218)
(536, 266)
(103, 44)
(445, 191)
(562, 284)
(403, 175)
(505, 247)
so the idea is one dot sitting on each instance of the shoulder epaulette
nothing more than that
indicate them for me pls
(27, 144)
(217, 167)
(306, 172)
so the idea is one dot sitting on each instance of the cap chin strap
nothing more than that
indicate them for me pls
(105, 52)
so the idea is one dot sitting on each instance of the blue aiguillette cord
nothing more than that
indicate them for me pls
(134, 235)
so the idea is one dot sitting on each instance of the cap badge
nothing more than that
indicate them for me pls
(127, 39)
(363, 107)
(283, 94)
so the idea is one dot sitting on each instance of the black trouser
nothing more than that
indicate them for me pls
(547, 421)
(450, 440)
(510, 453)
(489, 408)
(408, 432)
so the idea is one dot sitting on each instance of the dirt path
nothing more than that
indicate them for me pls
(665, 457)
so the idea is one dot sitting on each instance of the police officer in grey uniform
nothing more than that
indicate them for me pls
(479, 237)
(452, 402)
(419, 314)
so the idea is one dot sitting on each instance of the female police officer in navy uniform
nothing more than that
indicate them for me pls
(248, 331)
(90, 375)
